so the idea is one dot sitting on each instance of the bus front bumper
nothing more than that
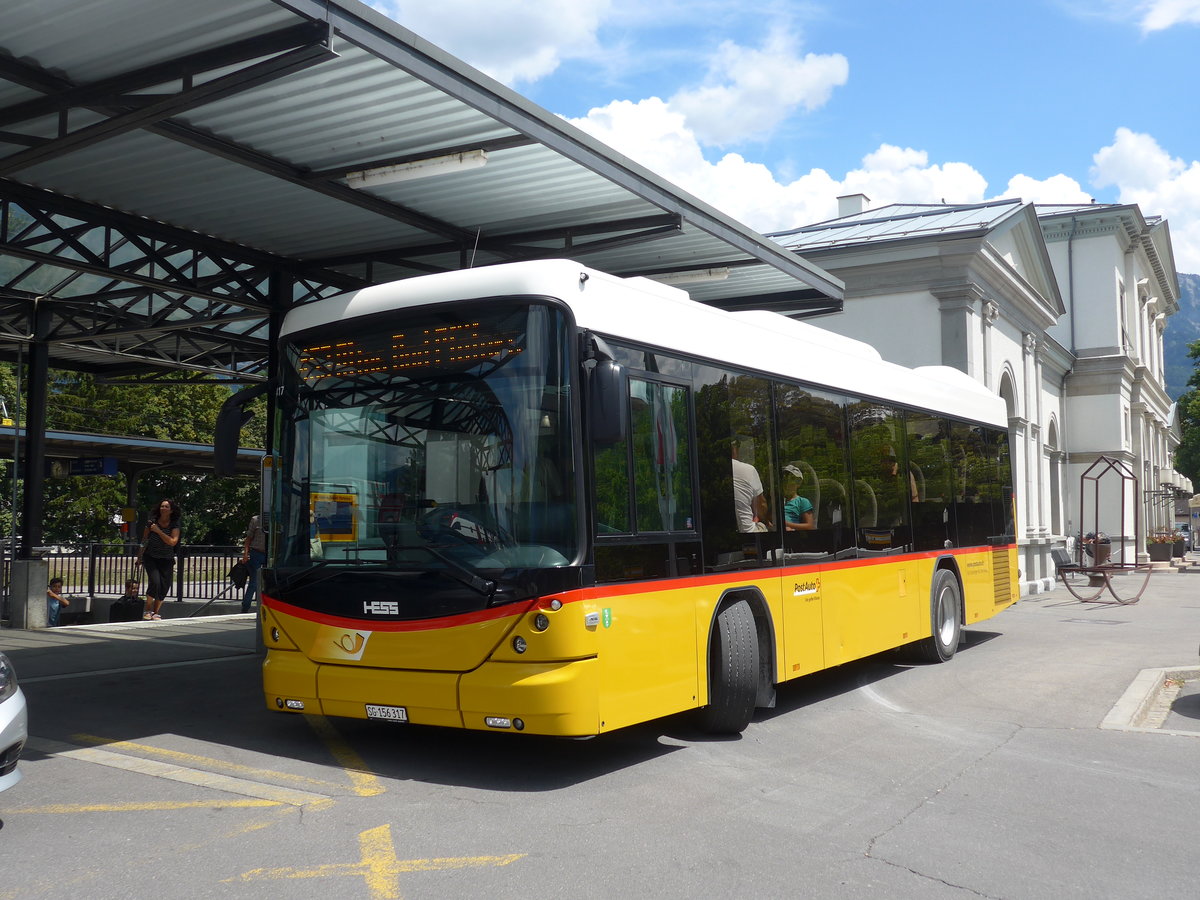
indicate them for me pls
(551, 698)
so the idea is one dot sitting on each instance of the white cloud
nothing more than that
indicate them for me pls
(1150, 15)
(1160, 184)
(514, 41)
(1133, 162)
(749, 91)
(659, 137)
(1159, 15)
(1055, 189)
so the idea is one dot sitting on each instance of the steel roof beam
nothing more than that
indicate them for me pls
(31, 76)
(34, 200)
(191, 323)
(509, 242)
(140, 116)
(112, 91)
(267, 165)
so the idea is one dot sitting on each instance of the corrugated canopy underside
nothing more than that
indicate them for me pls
(172, 171)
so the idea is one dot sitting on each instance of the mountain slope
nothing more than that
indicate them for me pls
(1182, 328)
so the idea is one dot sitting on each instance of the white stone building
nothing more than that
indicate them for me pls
(1057, 309)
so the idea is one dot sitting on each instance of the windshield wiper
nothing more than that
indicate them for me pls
(306, 575)
(461, 573)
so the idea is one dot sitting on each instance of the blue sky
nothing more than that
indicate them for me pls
(770, 110)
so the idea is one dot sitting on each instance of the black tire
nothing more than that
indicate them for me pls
(732, 671)
(945, 619)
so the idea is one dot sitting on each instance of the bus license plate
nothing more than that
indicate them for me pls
(390, 713)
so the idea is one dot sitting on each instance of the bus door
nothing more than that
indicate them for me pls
(645, 540)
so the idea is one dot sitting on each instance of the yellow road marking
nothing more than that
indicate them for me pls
(200, 761)
(152, 806)
(378, 865)
(196, 777)
(362, 778)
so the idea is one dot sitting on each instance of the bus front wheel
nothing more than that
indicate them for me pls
(945, 615)
(732, 671)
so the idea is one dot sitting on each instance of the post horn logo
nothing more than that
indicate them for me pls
(351, 644)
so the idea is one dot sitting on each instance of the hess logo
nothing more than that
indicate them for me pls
(382, 608)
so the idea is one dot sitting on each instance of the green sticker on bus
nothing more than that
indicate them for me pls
(607, 617)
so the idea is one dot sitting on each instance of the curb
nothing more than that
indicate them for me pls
(1147, 700)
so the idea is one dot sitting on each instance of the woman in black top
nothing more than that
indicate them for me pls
(158, 554)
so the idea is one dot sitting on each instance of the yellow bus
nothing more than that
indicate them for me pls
(572, 502)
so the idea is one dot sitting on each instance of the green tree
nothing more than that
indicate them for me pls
(80, 509)
(1187, 454)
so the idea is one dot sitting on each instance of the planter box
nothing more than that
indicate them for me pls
(1160, 552)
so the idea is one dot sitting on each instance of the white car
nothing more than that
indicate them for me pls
(14, 724)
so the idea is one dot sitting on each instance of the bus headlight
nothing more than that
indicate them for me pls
(541, 622)
(519, 645)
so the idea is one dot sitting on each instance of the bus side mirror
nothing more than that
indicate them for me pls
(608, 406)
(230, 419)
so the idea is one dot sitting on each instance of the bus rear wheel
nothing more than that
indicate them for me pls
(732, 671)
(945, 617)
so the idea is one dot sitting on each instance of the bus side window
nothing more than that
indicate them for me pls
(662, 465)
(929, 462)
(610, 473)
(812, 455)
(733, 428)
(884, 486)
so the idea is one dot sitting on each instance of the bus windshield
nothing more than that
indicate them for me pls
(430, 439)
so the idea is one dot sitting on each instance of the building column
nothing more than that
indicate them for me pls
(959, 306)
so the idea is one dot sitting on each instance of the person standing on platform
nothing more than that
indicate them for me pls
(254, 555)
(159, 540)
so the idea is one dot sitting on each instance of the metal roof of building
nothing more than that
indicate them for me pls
(898, 221)
(173, 171)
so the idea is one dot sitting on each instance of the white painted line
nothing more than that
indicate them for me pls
(197, 777)
(37, 679)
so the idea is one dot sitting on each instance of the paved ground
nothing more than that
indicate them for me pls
(1023, 769)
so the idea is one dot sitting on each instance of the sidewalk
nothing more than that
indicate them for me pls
(1161, 637)
(66, 652)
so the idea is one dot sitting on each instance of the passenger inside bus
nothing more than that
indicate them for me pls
(797, 509)
(749, 504)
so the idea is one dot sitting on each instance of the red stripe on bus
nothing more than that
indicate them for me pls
(741, 577)
(472, 618)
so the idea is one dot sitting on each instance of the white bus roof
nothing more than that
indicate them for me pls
(647, 312)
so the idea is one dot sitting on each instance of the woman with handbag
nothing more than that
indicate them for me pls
(159, 540)
(254, 555)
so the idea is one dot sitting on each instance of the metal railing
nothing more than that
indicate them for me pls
(101, 570)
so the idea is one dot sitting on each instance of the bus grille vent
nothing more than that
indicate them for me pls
(1002, 576)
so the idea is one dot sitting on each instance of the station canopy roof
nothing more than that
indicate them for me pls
(172, 172)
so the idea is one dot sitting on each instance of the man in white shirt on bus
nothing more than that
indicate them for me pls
(749, 504)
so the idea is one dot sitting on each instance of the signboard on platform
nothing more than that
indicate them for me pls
(88, 465)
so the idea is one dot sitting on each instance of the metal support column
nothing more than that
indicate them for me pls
(34, 468)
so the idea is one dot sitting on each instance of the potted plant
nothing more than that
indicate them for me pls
(1097, 545)
(1160, 545)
